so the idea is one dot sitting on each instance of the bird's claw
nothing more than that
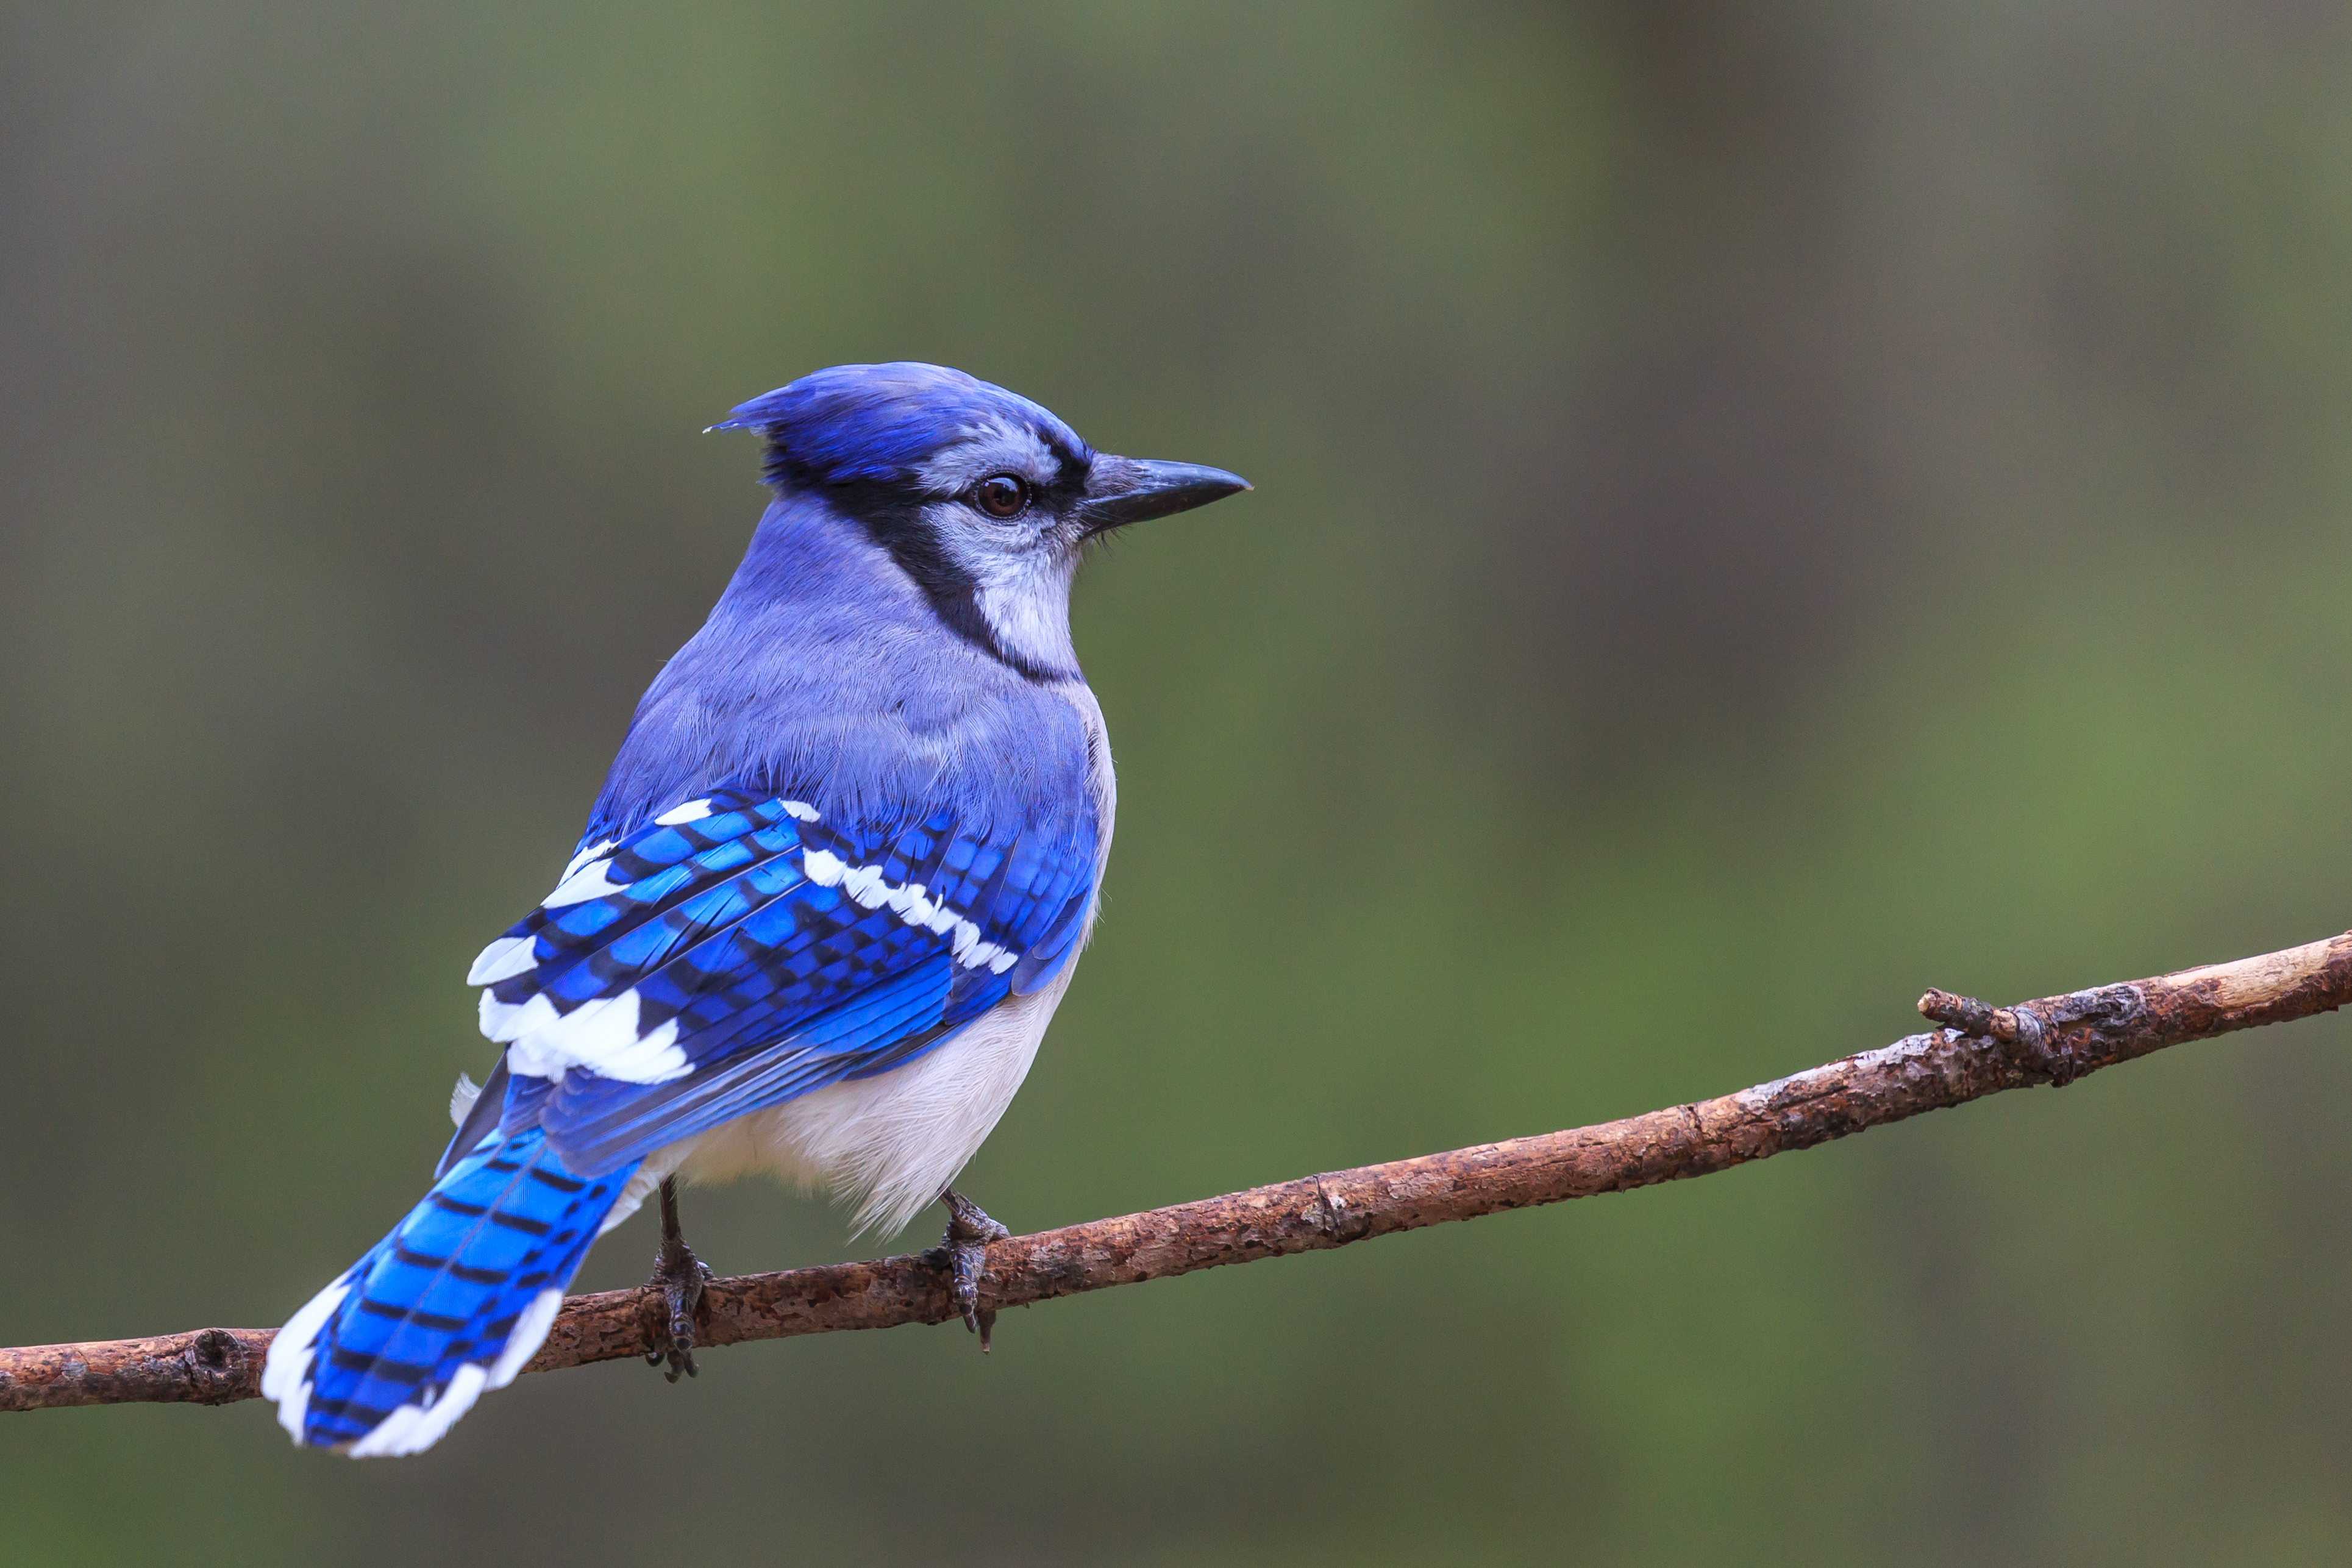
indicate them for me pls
(965, 1251)
(680, 1280)
(680, 1276)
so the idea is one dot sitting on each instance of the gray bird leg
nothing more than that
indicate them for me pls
(678, 1274)
(970, 1230)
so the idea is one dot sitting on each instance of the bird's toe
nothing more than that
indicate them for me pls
(680, 1276)
(965, 1258)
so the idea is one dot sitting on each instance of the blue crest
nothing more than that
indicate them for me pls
(880, 422)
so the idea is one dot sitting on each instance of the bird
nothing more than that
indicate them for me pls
(825, 903)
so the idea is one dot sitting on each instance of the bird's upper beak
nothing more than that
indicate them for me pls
(1120, 491)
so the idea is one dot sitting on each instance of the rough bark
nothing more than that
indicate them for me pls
(1982, 1050)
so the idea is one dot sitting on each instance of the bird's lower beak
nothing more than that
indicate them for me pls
(1120, 491)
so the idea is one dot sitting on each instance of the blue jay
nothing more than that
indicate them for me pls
(826, 902)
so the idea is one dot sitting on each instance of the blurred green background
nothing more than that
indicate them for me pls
(1760, 509)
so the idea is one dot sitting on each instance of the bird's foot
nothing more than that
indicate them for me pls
(680, 1276)
(965, 1251)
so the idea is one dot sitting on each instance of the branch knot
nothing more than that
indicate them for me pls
(2041, 1032)
(217, 1367)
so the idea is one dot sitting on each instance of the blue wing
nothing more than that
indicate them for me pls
(741, 950)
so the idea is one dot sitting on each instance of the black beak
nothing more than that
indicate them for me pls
(1120, 491)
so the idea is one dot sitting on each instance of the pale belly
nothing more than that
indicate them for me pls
(889, 1145)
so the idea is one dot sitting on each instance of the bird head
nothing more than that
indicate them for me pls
(986, 499)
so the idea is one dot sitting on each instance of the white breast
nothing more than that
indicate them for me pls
(890, 1144)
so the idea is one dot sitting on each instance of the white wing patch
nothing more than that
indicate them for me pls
(595, 851)
(504, 1021)
(592, 880)
(911, 903)
(600, 1036)
(582, 879)
(503, 960)
(462, 1095)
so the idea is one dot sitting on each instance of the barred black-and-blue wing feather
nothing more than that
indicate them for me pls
(740, 925)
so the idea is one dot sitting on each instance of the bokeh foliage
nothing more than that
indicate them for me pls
(1760, 509)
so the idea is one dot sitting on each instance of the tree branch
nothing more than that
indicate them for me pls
(1982, 1050)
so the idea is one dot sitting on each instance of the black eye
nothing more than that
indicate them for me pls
(1001, 495)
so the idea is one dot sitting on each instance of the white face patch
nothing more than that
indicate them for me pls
(979, 450)
(1020, 567)
(1021, 580)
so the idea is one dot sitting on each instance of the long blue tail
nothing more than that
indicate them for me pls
(453, 1301)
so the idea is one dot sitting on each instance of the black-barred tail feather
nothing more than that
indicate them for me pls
(455, 1300)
